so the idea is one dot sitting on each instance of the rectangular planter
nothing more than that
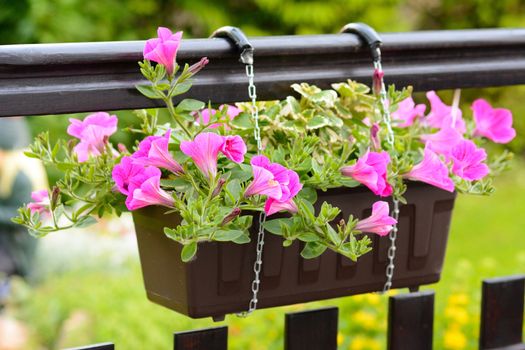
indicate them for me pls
(218, 281)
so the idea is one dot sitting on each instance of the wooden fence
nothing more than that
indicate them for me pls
(410, 323)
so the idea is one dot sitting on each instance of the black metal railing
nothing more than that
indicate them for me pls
(78, 77)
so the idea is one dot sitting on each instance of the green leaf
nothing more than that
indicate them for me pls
(308, 237)
(188, 251)
(333, 235)
(309, 194)
(180, 88)
(317, 122)
(242, 239)
(189, 105)
(242, 121)
(227, 235)
(85, 222)
(312, 250)
(234, 189)
(148, 91)
(274, 226)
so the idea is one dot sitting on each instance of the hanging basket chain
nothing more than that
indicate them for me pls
(247, 59)
(387, 119)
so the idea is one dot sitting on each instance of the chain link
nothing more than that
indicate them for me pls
(387, 119)
(257, 265)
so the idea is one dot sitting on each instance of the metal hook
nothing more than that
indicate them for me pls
(368, 35)
(239, 39)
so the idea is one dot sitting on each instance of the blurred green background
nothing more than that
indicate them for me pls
(92, 291)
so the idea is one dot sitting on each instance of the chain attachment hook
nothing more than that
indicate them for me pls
(246, 50)
(371, 39)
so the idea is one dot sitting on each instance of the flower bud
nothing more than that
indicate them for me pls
(229, 218)
(55, 198)
(122, 148)
(196, 68)
(218, 189)
(377, 81)
(374, 136)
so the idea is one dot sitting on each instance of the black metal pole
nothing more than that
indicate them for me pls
(62, 78)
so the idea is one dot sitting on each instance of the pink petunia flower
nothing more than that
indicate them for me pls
(41, 202)
(442, 141)
(371, 171)
(286, 203)
(441, 115)
(493, 123)
(234, 148)
(128, 175)
(149, 192)
(93, 133)
(407, 111)
(163, 49)
(204, 116)
(433, 171)
(204, 150)
(153, 150)
(468, 160)
(276, 182)
(380, 222)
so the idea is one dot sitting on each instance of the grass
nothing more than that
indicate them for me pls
(487, 240)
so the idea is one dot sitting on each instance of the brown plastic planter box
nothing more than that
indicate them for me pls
(218, 281)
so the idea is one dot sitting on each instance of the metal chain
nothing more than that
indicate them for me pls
(387, 119)
(257, 265)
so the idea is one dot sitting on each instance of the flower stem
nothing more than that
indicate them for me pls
(171, 109)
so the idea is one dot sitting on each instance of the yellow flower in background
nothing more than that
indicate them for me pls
(373, 299)
(454, 339)
(340, 339)
(457, 314)
(366, 319)
(458, 299)
(363, 343)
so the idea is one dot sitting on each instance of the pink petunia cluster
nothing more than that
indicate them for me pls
(279, 184)
(138, 176)
(93, 133)
(163, 49)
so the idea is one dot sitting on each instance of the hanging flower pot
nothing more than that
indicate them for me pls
(218, 281)
(273, 203)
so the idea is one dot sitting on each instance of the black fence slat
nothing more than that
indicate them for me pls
(502, 308)
(202, 339)
(101, 346)
(311, 330)
(411, 321)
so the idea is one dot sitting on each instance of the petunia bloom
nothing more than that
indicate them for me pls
(204, 150)
(441, 115)
(41, 202)
(93, 133)
(234, 148)
(163, 49)
(380, 222)
(286, 202)
(468, 160)
(276, 182)
(442, 141)
(493, 123)
(407, 111)
(371, 171)
(149, 193)
(153, 150)
(204, 116)
(128, 175)
(431, 170)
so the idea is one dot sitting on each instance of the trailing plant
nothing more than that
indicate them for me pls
(203, 165)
